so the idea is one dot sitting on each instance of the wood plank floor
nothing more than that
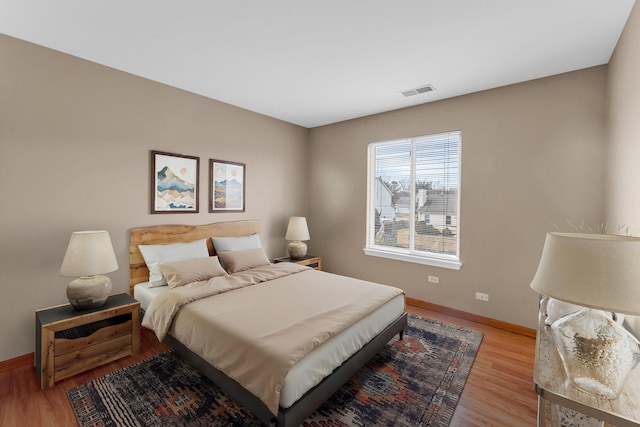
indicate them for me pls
(499, 390)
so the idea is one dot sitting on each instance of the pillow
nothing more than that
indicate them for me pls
(154, 255)
(236, 261)
(192, 270)
(228, 244)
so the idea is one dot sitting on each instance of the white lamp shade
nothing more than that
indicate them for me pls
(593, 270)
(88, 253)
(297, 229)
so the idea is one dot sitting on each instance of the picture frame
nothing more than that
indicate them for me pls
(174, 183)
(226, 186)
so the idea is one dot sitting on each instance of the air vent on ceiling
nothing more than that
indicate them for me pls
(416, 91)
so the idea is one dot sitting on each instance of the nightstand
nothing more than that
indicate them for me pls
(70, 341)
(314, 262)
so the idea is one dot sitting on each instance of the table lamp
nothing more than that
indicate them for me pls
(89, 255)
(597, 272)
(297, 231)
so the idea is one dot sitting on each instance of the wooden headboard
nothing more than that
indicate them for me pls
(163, 234)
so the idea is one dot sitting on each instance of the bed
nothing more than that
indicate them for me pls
(298, 399)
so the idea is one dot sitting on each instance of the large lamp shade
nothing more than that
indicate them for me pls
(594, 270)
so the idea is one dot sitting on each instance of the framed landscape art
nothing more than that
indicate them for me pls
(226, 186)
(174, 183)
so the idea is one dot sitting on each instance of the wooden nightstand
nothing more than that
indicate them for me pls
(314, 262)
(70, 341)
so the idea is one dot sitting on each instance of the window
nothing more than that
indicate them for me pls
(413, 205)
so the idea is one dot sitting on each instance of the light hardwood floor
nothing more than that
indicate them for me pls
(499, 390)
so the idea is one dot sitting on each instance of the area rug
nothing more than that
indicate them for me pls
(412, 382)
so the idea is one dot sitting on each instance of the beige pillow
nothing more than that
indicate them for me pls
(237, 261)
(192, 270)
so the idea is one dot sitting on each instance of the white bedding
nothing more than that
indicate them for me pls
(312, 368)
(144, 294)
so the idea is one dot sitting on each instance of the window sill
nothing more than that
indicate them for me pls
(451, 264)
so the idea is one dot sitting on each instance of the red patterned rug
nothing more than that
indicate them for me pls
(412, 382)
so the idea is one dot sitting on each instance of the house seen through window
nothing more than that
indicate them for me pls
(414, 199)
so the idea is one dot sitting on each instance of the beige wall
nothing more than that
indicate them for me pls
(74, 155)
(623, 149)
(532, 158)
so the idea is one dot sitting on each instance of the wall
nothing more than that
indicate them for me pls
(74, 155)
(623, 136)
(532, 158)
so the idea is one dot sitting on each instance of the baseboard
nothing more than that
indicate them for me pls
(16, 362)
(27, 359)
(510, 327)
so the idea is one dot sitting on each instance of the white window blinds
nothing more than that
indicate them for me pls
(413, 203)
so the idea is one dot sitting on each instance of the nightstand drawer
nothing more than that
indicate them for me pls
(86, 358)
(70, 341)
(73, 339)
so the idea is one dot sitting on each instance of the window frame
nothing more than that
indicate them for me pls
(448, 261)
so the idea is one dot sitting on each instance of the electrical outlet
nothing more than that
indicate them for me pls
(482, 297)
(434, 279)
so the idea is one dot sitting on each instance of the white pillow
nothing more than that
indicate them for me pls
(154, 255)
(230, 244)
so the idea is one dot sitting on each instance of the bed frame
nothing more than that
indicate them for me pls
(308, 403)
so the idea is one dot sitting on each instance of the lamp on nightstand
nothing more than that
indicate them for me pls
(297, 231)
(89, 255)
(597, 272)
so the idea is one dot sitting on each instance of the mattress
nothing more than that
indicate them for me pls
(144, 294)
(312, 368)
(315, 366)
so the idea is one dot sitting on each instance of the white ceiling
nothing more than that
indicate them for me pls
(312, 62)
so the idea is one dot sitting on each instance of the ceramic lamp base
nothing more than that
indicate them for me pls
(297, 249)
(89, 292)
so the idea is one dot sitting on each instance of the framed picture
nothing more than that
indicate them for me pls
(174, 183)
(226, 186)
